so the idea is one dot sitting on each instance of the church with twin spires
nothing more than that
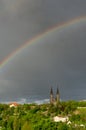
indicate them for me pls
(54, 100)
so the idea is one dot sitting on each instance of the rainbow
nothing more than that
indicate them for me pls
(39, 36)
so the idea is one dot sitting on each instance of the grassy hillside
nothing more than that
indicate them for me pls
(41, 117)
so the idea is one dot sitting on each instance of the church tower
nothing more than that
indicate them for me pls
(57, 96)
(51, 96)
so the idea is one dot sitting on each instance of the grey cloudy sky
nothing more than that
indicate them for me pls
(58, 58)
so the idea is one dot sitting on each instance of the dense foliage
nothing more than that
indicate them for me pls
(40, 117)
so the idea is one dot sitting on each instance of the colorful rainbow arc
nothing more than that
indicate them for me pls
(39, 36)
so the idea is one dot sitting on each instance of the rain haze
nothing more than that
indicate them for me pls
(56, 59)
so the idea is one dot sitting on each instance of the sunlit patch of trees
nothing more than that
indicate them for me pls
(40, 117)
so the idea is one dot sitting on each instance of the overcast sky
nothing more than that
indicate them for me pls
(57, 58)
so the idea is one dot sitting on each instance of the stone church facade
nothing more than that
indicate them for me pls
(54, 100)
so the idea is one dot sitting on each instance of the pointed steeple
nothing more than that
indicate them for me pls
(51, 96)
(57, 91)
(51, 91)
(57, 96)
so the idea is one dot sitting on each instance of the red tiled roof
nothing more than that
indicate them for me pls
(14, 103)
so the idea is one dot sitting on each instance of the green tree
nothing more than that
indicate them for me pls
(63, 126)
(26, 126)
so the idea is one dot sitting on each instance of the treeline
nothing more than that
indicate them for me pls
(40, 117)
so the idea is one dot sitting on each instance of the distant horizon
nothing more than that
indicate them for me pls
(39, 101)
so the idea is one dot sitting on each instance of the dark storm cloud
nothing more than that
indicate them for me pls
(22, 19)
(58, 58)
(19, 20)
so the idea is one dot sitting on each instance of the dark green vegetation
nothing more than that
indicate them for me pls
(40, 117)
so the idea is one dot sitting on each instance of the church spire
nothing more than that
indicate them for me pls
(56, 100)
(51, 91)
(57, 96)
(51, 96)
(57, 91)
